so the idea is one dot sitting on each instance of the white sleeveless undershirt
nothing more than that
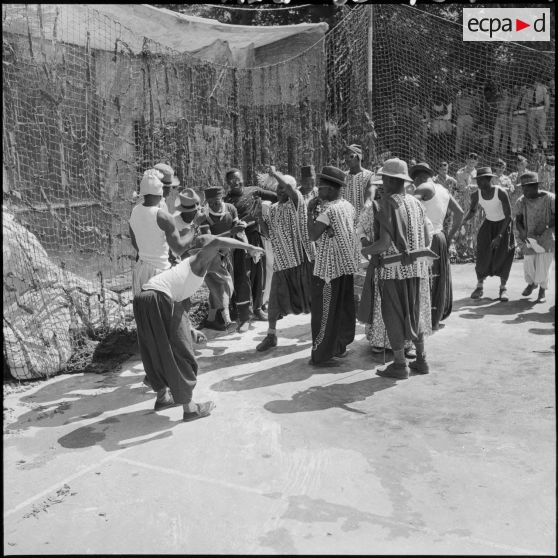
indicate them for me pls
(178, 282)
(151, 240)
(492, 207)
(437, 207)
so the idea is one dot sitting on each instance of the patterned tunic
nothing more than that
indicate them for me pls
(406, 213)
(355, 188)
(288, 231)
(537, 215)
(338, 254)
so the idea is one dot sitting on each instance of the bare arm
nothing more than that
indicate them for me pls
(378, 247)
(291, 192)
(473, 209)
(506, 206)
(133, 239)
(457, 216)
(200, 261)
(178, 244)
(315, 228)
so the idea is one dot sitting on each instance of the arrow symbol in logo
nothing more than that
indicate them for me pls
(519, 25)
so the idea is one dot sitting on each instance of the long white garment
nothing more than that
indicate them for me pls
(536, 268)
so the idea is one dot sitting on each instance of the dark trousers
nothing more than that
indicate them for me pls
(441, 287)
(494, 262)
(165, 343)
(333, 316)
(249, 280)
(401, 311)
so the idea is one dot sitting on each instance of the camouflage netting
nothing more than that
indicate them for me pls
(86, 112)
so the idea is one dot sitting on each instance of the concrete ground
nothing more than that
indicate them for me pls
(296, 460)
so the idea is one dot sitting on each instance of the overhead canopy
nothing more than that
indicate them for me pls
(242, 46)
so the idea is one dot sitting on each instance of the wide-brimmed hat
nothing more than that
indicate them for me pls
(169, 178)
(396, 168)
(334, 175)
(187, 201)
(213, 192)
(420, 167)
(528, 178)
(150, 183)
(308, 172)
(484, 171)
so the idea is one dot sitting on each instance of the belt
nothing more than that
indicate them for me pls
(409, 258)
(517, 112)
(537, 107)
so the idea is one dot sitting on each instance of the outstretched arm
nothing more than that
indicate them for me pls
(210, 245)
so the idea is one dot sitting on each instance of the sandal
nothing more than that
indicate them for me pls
(203, 410)
(198, 337)
(477, 293)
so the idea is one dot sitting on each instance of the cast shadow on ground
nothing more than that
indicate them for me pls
(244, 357)
(77, 398)
(321, 398)
(544, 317)
(483, 307)
(122, 431)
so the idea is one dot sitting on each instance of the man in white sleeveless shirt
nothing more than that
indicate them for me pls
(495, 239)
(164, 328)
(152, 231)
(438, 202)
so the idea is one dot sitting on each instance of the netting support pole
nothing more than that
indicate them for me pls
(371, 154)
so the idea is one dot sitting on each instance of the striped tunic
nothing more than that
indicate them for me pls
(337, 254)
(288, 231)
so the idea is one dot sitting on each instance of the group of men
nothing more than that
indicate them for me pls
(319, 234)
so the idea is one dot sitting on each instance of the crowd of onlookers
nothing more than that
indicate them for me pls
(464, 183)
(502, 121)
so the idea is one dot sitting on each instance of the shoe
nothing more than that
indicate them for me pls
(541, 297)
(260, 315)
(230, 327)
(410, 353)
(268, 342)
(395, 370)
(265, 307)
(377, 350)
(419, 366)
(529, 289)
(477, 293)
(243, 327)
(344, 354)
(165, 403)
(214, 324)
(203, 410)
(503, 296)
